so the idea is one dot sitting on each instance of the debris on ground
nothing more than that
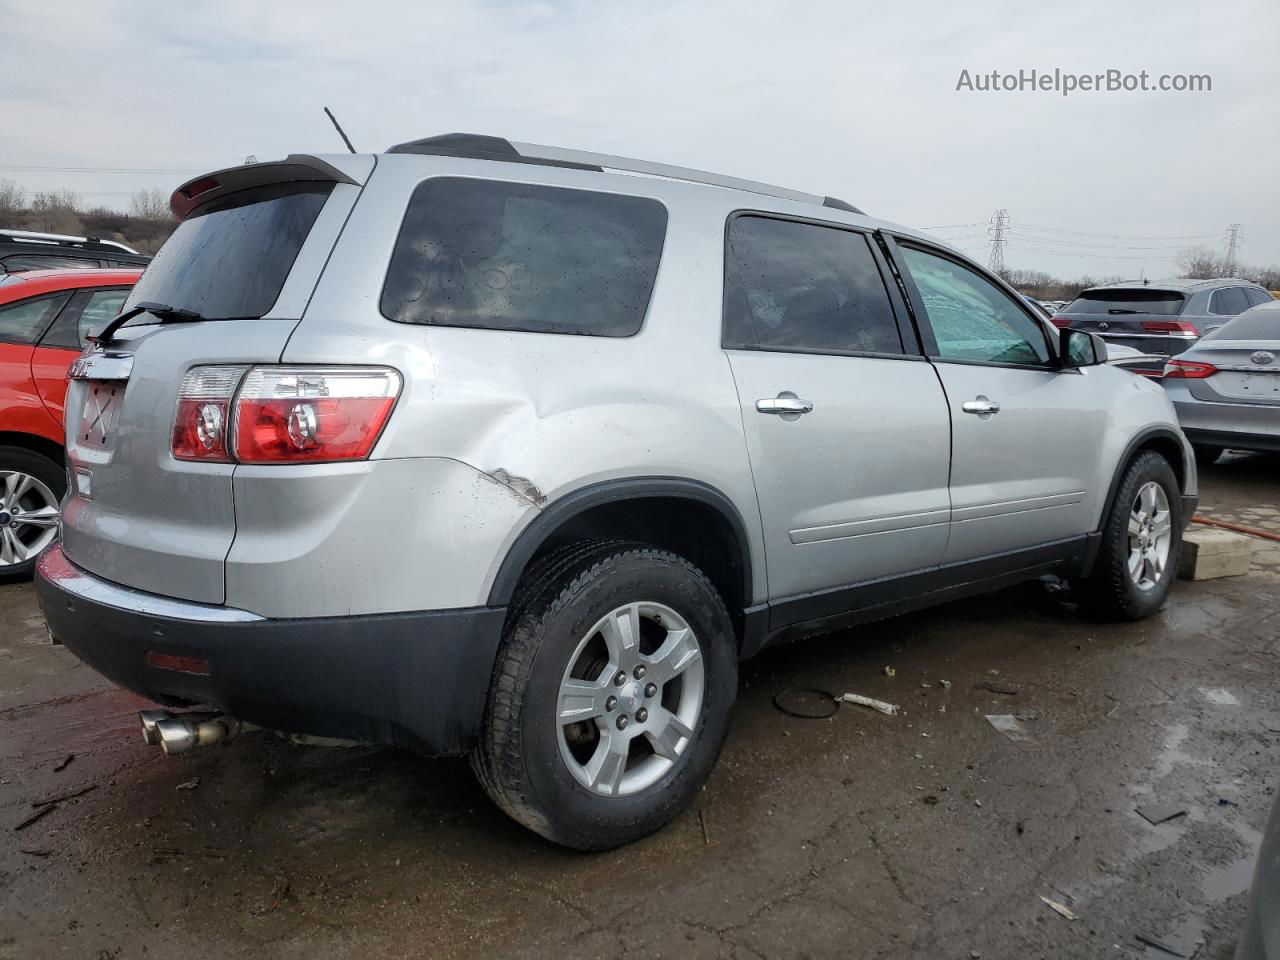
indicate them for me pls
(1156, 813)
(189, 784)
(889, 709)
(1220, 696)
(993, 686)
(1009, 725)
(36, 853)
(945, 684)
(702, 819)
(890, 672)
(1059, 908)
(807, 704)
(1029, 714)
(36, 816)
(1159, 945)
(70, 795)
(62, 765)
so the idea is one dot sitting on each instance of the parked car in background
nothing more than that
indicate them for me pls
(1160, 317)
(24, 250)
(1135, 361)
(486, 448)
(44, 316)
(1039, 307)
(1226, 387)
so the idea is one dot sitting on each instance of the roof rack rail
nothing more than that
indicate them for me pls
(64, 240)
(474, 146)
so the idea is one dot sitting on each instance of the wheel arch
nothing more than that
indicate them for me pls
(687, 516)
(35, 443)
(1162, 440)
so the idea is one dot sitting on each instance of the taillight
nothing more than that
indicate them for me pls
(1060, 322)
(1188, 370)
(1175, 328)
(312, 414)
(204, 413)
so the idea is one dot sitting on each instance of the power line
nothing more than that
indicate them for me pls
(1117, 236)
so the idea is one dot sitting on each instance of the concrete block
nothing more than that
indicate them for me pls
(1209, 552)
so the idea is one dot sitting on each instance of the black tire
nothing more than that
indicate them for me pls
(1109, 591)
(47, 472)
(518, 760)
(1207, 456)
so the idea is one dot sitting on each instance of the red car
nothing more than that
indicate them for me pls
(44, 316)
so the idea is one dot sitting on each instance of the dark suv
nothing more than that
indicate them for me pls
(23, 250)
(1163, 317)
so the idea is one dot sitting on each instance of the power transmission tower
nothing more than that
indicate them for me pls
(1233, 246)
(999, 232)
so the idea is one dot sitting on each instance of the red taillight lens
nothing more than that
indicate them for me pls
(1060, 322)
(1188, 370)
(312, 415)
(204, 413)
(1177, 327)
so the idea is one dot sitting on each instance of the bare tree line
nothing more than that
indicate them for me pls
(145, 226)
(1195, 263)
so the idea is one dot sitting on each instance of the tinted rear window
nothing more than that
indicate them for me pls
(514, 256)
(230, 259)
(1164, 303)
(1260, 323)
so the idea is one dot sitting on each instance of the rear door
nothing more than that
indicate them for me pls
(846, 424)
(21, 325)
(248, 261)
(1025, 435)
(62, 342)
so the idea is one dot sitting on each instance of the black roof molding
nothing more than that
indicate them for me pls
(478, 146)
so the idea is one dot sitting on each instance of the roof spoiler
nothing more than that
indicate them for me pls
(210, 186)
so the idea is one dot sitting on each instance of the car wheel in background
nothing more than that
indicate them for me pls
(31, 486)
(1141, 542)
(611, 695)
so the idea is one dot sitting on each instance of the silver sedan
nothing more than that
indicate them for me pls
(1226, 388)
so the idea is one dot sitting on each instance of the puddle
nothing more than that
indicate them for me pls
(1172, 752)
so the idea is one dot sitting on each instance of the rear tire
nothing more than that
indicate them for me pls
(30, 486)
(1207, 456)
(654, 713)
(1141, 543)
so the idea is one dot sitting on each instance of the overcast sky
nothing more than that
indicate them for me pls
(855, 100)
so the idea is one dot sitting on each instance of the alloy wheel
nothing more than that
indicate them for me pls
(28, 517)
(1150, 535)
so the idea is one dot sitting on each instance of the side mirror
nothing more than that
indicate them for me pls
(1076, 348)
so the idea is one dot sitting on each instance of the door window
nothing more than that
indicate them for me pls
(973, 319)
(805, 288)
(1228, 301)
(90, 310)
(24, 322)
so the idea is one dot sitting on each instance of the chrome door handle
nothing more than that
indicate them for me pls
(786, 404)
(982, 406)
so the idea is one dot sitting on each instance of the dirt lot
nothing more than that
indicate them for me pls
(928, 834)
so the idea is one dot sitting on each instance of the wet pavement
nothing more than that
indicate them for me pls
(930, 833)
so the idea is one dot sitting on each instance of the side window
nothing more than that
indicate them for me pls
(89, 310)
(516, 256)
(1257, 296)
(972, 318)
(804, 287)
(40, 261)
(1228, 301)
(24, 322)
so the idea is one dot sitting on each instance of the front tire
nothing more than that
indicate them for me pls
(31, 487)
(1141, 543)
(611, 695)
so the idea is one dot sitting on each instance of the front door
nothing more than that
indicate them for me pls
(846, 423)
(1026, 435)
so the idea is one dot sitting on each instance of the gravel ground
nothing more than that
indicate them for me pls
(925, 834)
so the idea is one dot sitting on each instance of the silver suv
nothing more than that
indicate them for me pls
(483, 448)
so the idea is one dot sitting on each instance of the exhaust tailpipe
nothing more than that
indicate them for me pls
(179, 732)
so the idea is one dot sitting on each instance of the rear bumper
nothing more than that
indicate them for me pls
(415, 680)
(1233, 439)
(1241, 426)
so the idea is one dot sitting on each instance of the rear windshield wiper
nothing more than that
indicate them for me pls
(163, 311)
(1118, 310)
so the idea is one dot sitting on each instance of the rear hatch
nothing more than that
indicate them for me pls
(236, 276)
(1140, 317)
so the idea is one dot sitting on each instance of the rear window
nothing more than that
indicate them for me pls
(1165, 303)
(1260, 323)
(229, 260)
(515, 256)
